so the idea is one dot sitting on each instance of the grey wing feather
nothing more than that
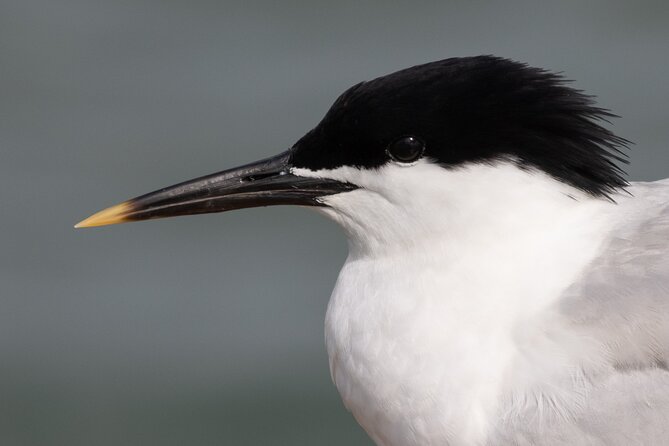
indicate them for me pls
(627, 408)
(623, 300)
(620, 305)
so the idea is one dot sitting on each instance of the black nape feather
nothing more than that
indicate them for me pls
(472, 109)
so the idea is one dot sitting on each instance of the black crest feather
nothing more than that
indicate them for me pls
(472, 109)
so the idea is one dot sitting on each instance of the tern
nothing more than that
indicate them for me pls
(505, 285)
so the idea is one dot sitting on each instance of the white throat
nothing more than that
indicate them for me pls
(448, 270)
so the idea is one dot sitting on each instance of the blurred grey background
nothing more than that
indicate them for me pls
(208, 330)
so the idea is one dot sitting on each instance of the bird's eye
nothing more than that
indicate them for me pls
(406, 149)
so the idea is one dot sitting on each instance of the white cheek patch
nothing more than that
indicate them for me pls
(389, 176)
(344, 173)
(426, 180)
(393, 200)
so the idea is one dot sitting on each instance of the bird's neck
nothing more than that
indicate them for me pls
(498, 206)
(515, 240)
(431, 306)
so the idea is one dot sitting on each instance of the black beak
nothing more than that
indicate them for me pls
(266, 182)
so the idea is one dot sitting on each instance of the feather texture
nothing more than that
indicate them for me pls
(494, 305)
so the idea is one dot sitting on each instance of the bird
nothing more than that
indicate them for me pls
(505, 283)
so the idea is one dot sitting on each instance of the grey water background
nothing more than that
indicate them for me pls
(208, 330)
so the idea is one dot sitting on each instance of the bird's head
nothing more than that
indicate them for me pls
(414, 147)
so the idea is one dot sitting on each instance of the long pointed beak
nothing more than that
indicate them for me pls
(266, 182)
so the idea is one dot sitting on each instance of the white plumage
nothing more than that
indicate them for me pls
(505, 285)
(489, 304)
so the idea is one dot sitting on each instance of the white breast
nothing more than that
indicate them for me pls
(446, 279)
(413, 369)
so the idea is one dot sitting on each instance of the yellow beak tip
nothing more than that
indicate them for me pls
(110, 216)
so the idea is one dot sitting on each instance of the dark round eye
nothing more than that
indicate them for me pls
(406, 149)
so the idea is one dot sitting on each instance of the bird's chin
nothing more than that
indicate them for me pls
(330, 213)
